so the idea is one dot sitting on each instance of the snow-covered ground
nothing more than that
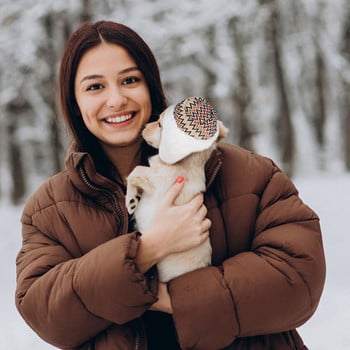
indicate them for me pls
(328, 195)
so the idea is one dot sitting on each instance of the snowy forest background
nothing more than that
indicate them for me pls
(277, 71)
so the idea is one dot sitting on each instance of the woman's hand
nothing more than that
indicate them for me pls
(173, 228)
(176, 228)
(163, 303)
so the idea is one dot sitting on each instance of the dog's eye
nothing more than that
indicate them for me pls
(159, 125)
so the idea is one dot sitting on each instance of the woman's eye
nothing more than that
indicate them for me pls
(130, 80)
(93, 87)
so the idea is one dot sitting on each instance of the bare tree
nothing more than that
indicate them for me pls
(241, 93)
(17, 109)
(50, 54)
(284, 127)
(346, 93)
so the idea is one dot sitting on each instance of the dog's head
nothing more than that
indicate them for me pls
(187, 127)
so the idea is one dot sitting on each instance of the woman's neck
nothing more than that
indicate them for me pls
(125, 158)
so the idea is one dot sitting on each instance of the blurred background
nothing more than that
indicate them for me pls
(277, 71)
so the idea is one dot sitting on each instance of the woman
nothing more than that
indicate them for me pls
(87, 280)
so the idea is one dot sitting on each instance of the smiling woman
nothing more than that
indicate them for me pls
(114, 101)
(140, 65)
(87, 279)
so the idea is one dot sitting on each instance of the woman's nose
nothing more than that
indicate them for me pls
(116, 99)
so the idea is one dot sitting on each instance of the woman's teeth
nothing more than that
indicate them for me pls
(119, 119)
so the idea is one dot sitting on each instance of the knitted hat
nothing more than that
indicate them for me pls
(187, 127)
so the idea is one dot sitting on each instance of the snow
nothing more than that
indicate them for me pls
(328, 196)
(327, 329)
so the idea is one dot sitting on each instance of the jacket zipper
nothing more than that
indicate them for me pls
(113, 199)
(140, 336)
(137, 342)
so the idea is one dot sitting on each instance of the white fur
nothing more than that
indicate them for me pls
(148, 185)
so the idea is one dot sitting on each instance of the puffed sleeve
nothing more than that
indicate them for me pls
(68, 300)
(272, 287)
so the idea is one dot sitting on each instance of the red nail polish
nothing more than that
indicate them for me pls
(179, 179)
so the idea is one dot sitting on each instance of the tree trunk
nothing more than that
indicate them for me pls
(17, 109)
(346, 96)
(284, 128)
(346, 128)
(241, 96)
(320, 110)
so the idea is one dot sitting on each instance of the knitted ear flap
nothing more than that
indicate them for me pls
(187, 127)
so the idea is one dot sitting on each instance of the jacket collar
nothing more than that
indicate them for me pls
(84, 176)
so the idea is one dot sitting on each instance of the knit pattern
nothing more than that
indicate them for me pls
(196, 117)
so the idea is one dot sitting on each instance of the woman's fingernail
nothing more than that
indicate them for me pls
(179, 179)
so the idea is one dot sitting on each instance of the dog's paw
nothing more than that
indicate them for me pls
(132, 200)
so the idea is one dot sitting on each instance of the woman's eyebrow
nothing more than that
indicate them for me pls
(129, 69)
(98, 76)
(92, 76)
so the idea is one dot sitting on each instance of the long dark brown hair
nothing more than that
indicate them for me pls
(86, 37)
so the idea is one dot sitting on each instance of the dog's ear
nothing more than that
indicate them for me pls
(223, 131)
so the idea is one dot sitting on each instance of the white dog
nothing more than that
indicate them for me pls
(185, 134)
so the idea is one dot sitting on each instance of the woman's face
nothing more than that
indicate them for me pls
(112, 95)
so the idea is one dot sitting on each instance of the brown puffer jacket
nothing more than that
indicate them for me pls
(78, 285)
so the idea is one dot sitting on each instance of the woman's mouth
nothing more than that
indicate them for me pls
(119, 119)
